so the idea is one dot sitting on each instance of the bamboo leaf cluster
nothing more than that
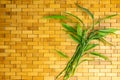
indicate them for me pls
(83, 36)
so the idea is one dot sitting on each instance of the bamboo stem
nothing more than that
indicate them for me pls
(73, 63)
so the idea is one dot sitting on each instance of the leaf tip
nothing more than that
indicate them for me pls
(61, 54)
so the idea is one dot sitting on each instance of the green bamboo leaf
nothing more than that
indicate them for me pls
(61, 54)
(73, 34)
(104, 32)
(91, 35)
(79, 30)
(60, 74)
(100, 35)
(86, 59)
(109, 30)
(99, 55)
(90, 46)
(107, 17)
(105, 41)
(84, 34)
(68, 28)
(75, 38)
(75, 17)
(85, 10)
(83, 37)
(56, 17)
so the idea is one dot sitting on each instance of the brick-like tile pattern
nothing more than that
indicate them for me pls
(27, 41)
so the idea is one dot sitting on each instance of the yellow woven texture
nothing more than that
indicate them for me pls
(27, 41)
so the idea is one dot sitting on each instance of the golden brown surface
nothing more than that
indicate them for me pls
(27, 41)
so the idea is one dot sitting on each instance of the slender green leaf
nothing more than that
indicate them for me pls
(61, 54)
(91, 35)
(99, 55)
(68, 28)
(56, 17)
(107, 17)
(90, 46)
(79, 30)
(109, 30)
(73, 34)
(84, 34)
(105, 41)
(100, 35)
(75, 38)
(76, 18)
(60, 74)
(104, 32)
(85, 10)
(83, 37)
(86, 59)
